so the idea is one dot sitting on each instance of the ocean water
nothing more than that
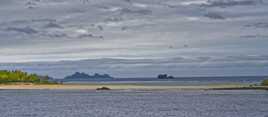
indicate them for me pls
(177, 81)
(133, 103)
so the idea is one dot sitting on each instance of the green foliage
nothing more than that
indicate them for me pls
(264, 83)
(18, 76)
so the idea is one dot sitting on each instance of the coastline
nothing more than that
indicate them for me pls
(126, 87)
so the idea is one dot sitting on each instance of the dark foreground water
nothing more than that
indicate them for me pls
(130, 103)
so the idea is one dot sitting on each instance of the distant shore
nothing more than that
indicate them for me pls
(126, 87)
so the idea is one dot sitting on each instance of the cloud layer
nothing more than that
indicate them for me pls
(135, 37)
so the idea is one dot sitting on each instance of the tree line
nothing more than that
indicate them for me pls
(18, 76)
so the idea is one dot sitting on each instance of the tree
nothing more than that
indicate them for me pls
(20, 76)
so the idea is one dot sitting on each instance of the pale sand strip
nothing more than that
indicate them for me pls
(123, 87)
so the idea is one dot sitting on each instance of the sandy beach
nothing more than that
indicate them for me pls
(126, 87)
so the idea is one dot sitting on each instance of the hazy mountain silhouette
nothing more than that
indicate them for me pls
(84, 76)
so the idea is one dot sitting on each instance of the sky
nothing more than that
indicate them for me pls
(135, 38)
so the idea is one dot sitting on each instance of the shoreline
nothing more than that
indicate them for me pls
(125, 87)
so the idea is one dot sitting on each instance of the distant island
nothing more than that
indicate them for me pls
(84, 76)
(17, 76)
(22, 80)
(165, 76)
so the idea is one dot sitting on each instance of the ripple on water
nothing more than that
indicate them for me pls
(83, 103)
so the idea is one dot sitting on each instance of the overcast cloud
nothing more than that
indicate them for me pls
(132, 38)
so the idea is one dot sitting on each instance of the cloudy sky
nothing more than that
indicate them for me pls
(135, 38)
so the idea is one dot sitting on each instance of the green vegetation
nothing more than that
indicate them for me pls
(264, 83)
(18, 76)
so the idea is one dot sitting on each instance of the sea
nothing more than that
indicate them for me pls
(139, 103)
(133, 103)
(181, 81)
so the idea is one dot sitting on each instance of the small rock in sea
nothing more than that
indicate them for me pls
(103, 88)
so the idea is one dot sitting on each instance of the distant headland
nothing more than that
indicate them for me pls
(83, 76)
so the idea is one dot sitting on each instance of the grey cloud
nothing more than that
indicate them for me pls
(82, 36)
(55, 35)
(15, 22)
(129, 1)
(132, 66)
(85, 35)
(23, 22)
(177, 60)
(124, 28)
(257, 36)
(258, 25)
(248, 58)
(26, 30)
(113, 19)
(147, 29)
(44, 20)
(126, 11)
(100, 27)
(213, 15)
(53, 25)
(229, 3)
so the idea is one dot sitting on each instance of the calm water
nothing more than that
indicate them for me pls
(127, 103)
(179, 81)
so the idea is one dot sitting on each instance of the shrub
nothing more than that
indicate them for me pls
(264, 83)
(18, 76)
